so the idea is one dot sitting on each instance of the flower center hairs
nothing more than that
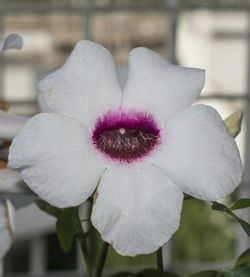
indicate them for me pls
(126, 136)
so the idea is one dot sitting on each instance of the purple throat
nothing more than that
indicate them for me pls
(126, 135)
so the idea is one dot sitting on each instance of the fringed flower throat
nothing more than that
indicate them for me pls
(126, 136)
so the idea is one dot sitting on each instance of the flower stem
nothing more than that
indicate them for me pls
(159, 262)
(82, 241)
(102, 259)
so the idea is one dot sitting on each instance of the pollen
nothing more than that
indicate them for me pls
(126, 136)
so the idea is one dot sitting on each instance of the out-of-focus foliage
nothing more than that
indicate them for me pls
(244, 259)
(145, 273)
(240, 204)
(201, 226)
(241, 269)
(66, 228)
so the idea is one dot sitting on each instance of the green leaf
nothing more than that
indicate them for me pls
(66, 227)
(123, 274)
(46, 207)
(154, 272)
(233, 123)
(222, 208)
(245, 226)
(243, 223)
(207, 273)
(243, 271)
(219, 207)
(244, 259)
(241, 204)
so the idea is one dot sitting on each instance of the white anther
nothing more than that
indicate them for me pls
(122, 131)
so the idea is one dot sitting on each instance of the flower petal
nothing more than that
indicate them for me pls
(10, 125)
(42, 104)
(159, 87)
(86, 85)
(137, 209)
(56, 159)
(10, 213)
(12, 41)
(199, 155)
(6, 227)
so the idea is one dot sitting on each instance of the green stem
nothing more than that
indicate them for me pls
(102, 259)
(159, 262)
(83, 245)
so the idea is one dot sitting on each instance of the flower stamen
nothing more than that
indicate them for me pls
(126, 136)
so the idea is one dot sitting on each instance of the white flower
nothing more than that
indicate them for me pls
(6, 227)
(10, 124)
(10, 180)
(139, 149)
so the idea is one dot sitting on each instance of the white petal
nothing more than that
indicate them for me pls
(10, 125)
(10, 211)
(12, 182)
(199, 155)
(42, 103)
(13, 41)
(85, 87)
(137, 209)
(56, 159)
(6, 227)
(159, 87)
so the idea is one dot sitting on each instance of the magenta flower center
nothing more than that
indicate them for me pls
(126, 136)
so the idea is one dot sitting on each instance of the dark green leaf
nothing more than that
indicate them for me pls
(46, 207)
(66, 227)
(219, 207)
(241, 204)
(243, 223)
(154, 273)
(244, 259)
(243, 271)
(207, 273)
(123, 274)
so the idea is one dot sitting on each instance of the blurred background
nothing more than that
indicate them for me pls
(210, 34)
